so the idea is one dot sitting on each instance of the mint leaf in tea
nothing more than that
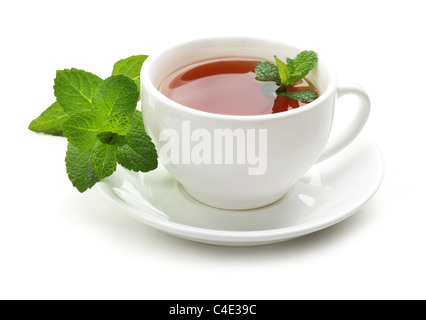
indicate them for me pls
(290, 74)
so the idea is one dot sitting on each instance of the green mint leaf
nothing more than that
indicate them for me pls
(115, 93)
(303, 96)
(79, 168)
(282, 71)
(50, 121)
(139, 154)
(130, 67)
(117, 98)
(266, 71)
(290, 65)
(294, 76)
(301, 65)
(74, 89)
(112, 138)
(104, 159)
(118, 122)
(81, 128)
(137, 119)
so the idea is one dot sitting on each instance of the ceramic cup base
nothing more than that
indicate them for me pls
(225, 204)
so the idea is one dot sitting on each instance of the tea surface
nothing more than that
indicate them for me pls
(228, 86)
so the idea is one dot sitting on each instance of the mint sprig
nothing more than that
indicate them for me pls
(285, 75)
(100, 121)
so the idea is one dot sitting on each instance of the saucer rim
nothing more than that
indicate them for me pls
(258, 236)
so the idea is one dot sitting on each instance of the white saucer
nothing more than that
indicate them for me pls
(329, 193)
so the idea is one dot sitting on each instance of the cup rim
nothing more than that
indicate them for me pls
(146, 82)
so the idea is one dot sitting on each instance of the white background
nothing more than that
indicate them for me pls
(56, 243)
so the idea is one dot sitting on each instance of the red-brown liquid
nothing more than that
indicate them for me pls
(227, 86)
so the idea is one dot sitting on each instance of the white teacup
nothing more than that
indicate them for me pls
(259, 157)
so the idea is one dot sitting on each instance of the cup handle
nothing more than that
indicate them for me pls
(357, 123)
